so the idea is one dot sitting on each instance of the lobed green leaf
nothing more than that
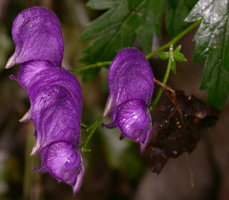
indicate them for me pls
(212, 44)
(120, 26)
(177, 10)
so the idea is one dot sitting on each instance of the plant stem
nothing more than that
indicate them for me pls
(165, 79)
(92, 128)
(99, 64)
(174, 40)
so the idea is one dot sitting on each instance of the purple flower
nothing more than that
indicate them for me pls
(37, 34)
(131, 87)
(55, 94)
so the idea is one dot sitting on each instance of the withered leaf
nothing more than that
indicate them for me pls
(178, 121)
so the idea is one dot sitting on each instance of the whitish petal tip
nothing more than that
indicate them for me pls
(26, 117)
(36, 148)
(108, 106)
(79, 180)
(10, 63)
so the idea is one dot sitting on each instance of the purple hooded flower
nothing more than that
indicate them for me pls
(55, 94)
(37, 34)
(131, 87)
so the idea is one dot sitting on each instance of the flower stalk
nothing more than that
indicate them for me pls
(165, 79)
(91, 130)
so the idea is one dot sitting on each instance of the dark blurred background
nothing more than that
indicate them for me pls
(114, 168)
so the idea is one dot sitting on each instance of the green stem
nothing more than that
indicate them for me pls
(174, 40)
(91, 131)
(96, 65)
(165, 79)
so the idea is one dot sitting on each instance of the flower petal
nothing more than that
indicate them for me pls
(63, 162)
(131, 87)
(130, 77)
(55, 116)
(28, 70)
(134, 121)
(108, 107)
(37, 35)
(57, 76)
(26, 117)
(79, 179)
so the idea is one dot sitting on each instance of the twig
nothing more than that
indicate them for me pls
(163, 86)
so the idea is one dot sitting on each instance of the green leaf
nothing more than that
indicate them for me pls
(102, 4)
(111, 32)
(108, 23)
(118, 28)
(132, 4)
(179, 56)
(212, 44)
(216, 79)
(177, 10)
(152, 24)
(178, 48)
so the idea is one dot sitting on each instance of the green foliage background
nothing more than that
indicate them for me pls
(128, 21)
